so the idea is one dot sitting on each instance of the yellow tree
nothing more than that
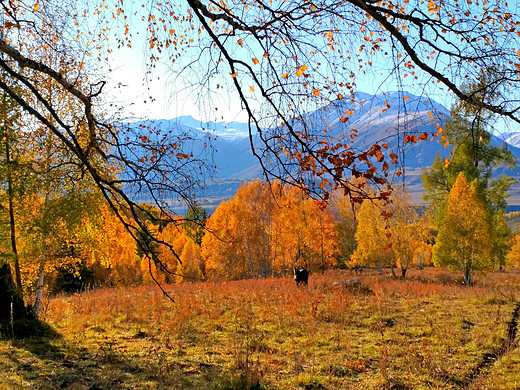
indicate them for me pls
(464, 241)
(321, 235)
(372, 237)
(191, 269)
(164, 266)
(109, 249)
(410, 232)
(513, 256)
(346, 227)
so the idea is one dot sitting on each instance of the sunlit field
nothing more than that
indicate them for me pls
(426, 332)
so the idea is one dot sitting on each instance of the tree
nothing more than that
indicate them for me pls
(465, 241)
(238, 243)
(12, 175)
(108, 248)
(502, 240)
(196, 218)
(469, 131)
(372, 237)
(409, 231)
(347, 225)
(267, 229)
(513, 256)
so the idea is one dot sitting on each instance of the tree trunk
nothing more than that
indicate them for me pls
(393, 272)
(39, 288)
(468, 276)
(403, 272)
(12, 227)
(11, 302)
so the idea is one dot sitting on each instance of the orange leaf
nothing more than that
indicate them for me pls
(315, 92)
(234, 75)
(300, 70)
(255, 61)
(340, 96)
(240, 42)
(284, 75)
(252, 88)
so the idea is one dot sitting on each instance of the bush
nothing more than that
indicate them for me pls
(71, 278)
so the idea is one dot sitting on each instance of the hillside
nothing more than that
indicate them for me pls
(377, 118)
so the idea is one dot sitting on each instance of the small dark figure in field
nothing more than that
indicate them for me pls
(301, 276)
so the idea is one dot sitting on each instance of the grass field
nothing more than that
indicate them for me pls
(426, 332)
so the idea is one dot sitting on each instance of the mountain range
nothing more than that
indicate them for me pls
(377, 118)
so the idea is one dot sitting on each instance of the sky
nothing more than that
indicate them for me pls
(160, 95)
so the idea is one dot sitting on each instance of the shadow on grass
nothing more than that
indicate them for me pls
(43, 359)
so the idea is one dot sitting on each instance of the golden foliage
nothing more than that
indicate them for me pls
(266, 230)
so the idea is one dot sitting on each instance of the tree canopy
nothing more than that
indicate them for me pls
(465, 240)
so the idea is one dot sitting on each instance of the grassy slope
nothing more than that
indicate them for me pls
(424, 333)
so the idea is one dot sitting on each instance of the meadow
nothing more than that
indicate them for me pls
(428, 331)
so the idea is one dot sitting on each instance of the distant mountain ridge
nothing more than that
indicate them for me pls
(377, 118)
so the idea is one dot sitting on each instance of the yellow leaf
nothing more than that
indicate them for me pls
(36, 7)
(252, 88)
(284, 75)
(299, 73)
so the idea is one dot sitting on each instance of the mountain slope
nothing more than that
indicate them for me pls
(376, 118)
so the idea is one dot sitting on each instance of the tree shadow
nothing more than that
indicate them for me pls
(50, 361)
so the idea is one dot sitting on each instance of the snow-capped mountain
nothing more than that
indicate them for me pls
(380, 118)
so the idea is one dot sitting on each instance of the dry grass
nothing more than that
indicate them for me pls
(427, 332)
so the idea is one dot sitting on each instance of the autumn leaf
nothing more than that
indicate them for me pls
(234, 74)
(300, 70)
(255, 61)
(240, 42)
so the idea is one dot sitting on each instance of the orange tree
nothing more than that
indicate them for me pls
(266, 229)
